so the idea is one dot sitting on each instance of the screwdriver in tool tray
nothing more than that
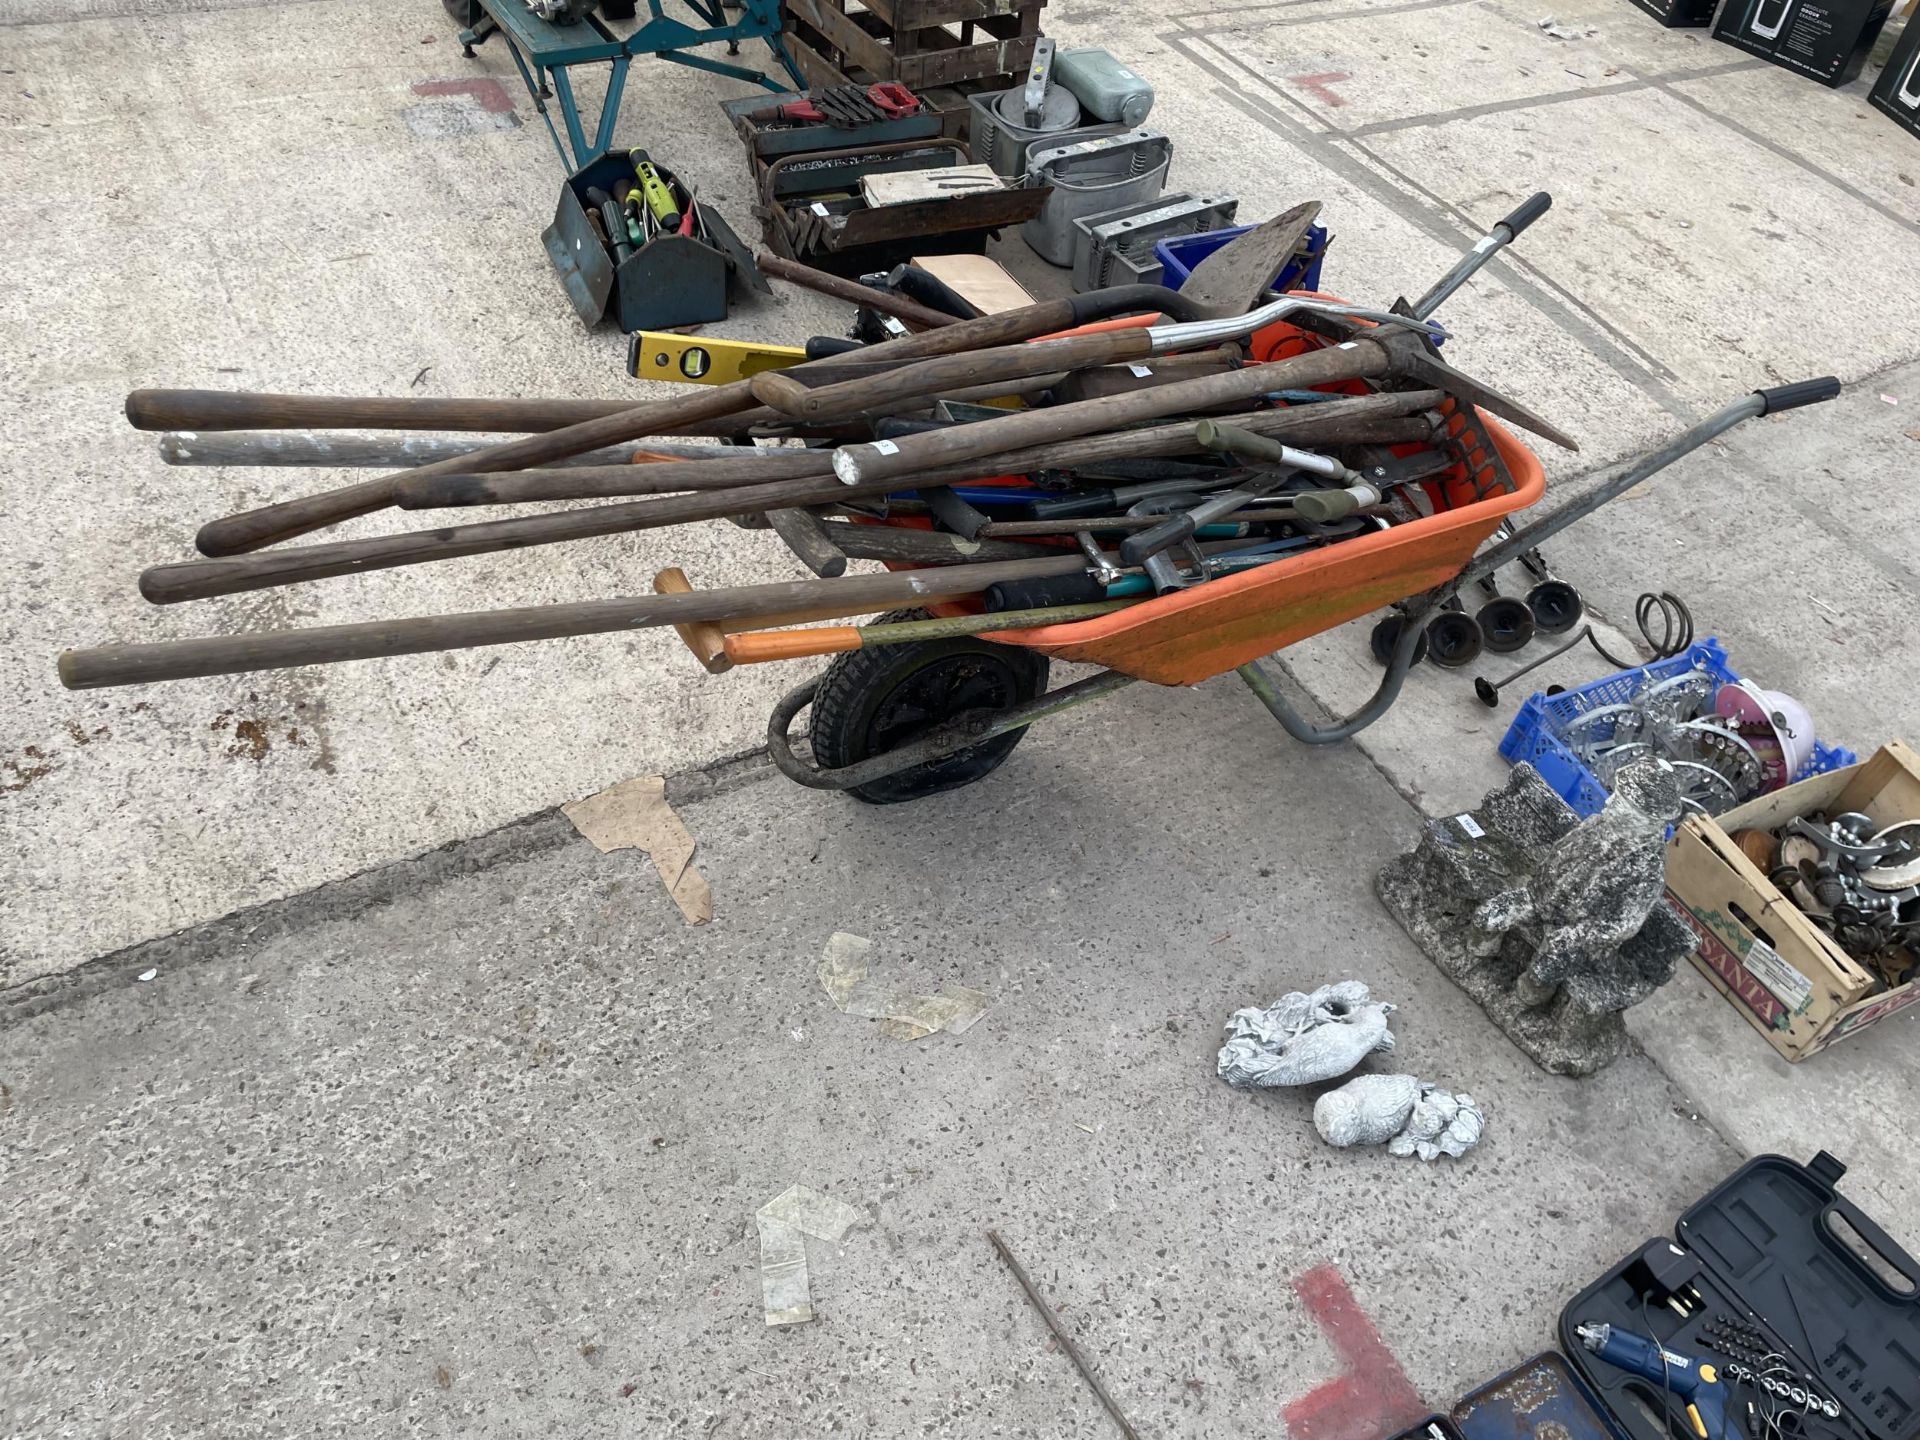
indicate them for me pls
(1696, 1382)
(655, 191)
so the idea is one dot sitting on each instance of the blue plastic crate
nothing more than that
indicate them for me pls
(1535, 733)
(1179, 255)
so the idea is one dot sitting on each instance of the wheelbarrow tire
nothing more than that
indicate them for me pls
(872, 701)
(466, 13)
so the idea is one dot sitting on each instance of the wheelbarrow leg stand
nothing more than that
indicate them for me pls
(1517, 543)
(1398, 665)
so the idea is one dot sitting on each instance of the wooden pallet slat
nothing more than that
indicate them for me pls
(918, 14)
(919, 43)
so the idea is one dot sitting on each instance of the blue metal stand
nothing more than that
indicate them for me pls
(544, 53)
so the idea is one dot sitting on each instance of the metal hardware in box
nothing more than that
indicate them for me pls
(1090, 176)
(1115, 247)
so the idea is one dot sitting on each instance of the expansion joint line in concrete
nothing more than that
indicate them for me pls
(1366, 171)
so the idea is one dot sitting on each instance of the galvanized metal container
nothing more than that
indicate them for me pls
(1090, 176)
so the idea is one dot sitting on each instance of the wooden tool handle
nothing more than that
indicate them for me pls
(704, 638)
(971, 370)
(327, 644)
(229, 410)
(270, 524)
(898, 306)
(514, 487)
(809, 542)
(230, 575)
(253, 529)
(916, 454)
(780, 392)
(753, 647)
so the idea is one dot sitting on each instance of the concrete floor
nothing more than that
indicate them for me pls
(517, 1109)
(397, 1113)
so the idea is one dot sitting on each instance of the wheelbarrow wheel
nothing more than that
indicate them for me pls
(466, 13)
(873, 701)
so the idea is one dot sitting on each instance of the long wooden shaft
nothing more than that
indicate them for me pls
(238, 410)
(948, 372)
(705, 639)
(390, 452)
(1347, 419)
(233, 574)
(902, 545)
(327, 644)
(809, 542)
(200, 579)
(440, 492)
(819, 281)
(911, 454)
(1017, 529)
(270, 524)
(1342, 419)
(753, 647)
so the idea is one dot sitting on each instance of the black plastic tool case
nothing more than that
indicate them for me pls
(1770, 1247)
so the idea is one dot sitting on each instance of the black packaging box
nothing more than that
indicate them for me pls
(1825, 39)
(1679, 14)
(1897, 91)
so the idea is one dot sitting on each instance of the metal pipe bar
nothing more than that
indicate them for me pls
(950, 736)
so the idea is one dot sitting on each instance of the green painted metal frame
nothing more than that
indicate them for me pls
(544, 53)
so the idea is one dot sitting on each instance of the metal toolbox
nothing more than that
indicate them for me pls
(1115, 247)
(1088, 177)
(812, 211)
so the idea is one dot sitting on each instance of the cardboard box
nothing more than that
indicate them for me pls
(1679, 14)
(1794, 984)
(1897, 92)
(1825, 39)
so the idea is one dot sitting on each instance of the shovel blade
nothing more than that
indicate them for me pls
(1232, 279)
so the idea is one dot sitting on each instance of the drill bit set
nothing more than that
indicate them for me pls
(1778, 1310)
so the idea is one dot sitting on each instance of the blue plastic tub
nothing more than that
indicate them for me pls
(1179, 255)
(1535, 733)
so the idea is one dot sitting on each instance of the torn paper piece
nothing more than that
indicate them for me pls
(634, 815)
(848, 979)
(784, 1223)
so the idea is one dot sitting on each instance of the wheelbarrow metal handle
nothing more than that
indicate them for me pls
(1760, 402)
(1490, 244)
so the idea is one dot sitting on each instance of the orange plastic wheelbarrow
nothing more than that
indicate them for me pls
(903, 721)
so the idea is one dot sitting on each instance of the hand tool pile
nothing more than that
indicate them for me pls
(1125, 443)
(1167, 483)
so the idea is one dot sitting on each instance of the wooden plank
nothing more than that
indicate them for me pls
(978, 280)
(918, 14)
(959, 63)
(819, 71)
(846, 34)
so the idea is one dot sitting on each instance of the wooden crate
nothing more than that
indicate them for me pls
(920, 43)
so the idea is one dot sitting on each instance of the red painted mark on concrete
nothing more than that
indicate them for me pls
(1372, 1397)
(491, 94)
(1321, 86)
